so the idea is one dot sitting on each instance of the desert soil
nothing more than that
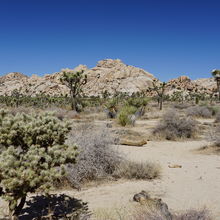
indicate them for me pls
(195, 185)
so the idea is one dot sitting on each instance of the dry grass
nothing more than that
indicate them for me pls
(137, 170)
(148, 213)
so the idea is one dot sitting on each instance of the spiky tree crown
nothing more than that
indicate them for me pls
(74, 79)
(216, 73)
(32, 153)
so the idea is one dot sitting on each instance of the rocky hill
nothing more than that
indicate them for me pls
(186, 85)
(108, 75)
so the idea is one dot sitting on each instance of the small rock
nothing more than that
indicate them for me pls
(132, 141)
(175, 166)
(156, 204)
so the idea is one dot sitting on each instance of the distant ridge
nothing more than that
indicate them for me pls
(108, 75)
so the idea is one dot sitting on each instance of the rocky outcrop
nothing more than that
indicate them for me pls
(156, 205)
(109, 75)
(115, 76)
(186, 85)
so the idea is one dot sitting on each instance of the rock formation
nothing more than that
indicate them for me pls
(108, 75)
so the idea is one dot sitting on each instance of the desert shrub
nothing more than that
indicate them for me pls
(22, 109)
(111, 107)
(137, 170)
(172, 126)
(203, 214)
(217, 119)
(33, 154)
(213, 136)
(145, 212)
(125, 115)
(181, 106)
(199, 111)
(137, 101)
(62, 113)
(97, 158)
(214, 110)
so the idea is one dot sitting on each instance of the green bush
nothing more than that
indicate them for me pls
(124, 117)
(32, 155)
(137, 101)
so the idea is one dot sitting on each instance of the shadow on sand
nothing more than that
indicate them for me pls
(55, 207)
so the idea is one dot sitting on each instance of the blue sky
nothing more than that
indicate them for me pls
(167, 38)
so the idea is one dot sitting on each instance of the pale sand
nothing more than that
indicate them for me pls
(195, 185)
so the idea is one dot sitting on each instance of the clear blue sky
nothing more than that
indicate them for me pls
(167, 38)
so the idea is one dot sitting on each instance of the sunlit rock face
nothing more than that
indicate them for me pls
(108, 75)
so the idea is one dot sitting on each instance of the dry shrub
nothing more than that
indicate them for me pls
(137, 170)
(63, 113)
(217, 119)
(199, 111)
(22, 109)
(97, 158)
(203, 214)
(148, 213)
(214, 136)
(173, 126)
(181, 106)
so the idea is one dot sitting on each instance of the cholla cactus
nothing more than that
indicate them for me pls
(74, 80)
(32, 155)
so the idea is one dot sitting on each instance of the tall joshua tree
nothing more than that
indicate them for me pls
(74, 80)
(159, 87)
(216, 75)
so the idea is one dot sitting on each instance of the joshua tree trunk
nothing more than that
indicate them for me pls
(73, 102)
(161, 103)
(218, 88)
(15, 212)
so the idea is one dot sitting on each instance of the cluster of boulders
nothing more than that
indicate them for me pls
(111, 76)
(185, 84)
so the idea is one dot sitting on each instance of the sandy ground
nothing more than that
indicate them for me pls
(195, 185)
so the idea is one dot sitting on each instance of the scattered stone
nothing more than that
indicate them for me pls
(175, 166)
(155, 203)
(132, 141)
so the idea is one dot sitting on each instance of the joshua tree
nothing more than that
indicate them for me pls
(159, 87)
(74, 80)
(32, 155)
(16, 96)
(216, 75)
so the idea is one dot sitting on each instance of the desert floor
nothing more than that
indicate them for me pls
(195, 185)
